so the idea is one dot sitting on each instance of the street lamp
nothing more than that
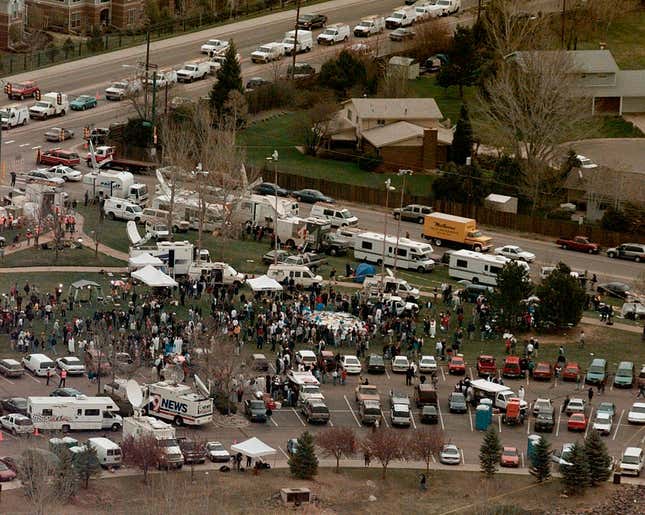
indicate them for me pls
(388, 188)
(201, 202)
(274, 158)
(404, 173)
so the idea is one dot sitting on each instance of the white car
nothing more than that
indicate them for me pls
(636, 414)
(632, 461)
(214, 46)
(217, 452)
(585, 162)
(515, 252)
(427, 365)
(560, 456)
(400, 364)
(450, 454)
(602, 423)
(116, 389)
(351, 364)
(66, 173)
(576, 405)
(71, 364)
(17, 424)
(542, 405)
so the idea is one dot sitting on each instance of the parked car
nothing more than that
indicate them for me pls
(429, 414)
(59, 134)
(585, 162)
(11, 368)
(269, 188)
(543, 371)
(577, 422)
(193, 451)
(400, 364)
(71, 364)
(607, 407)
(602, 423)
(351, 364)
(634, 251)
(632, 461)
(255, 410)
(427, 365)
(66, 392)
(17, 424)
(256, 82)
(65, 172)
(315, 411)
(43, 177)
(450, 454)
(624, 377)
(636, 413)
(542, 404)
(614, 289)
(457, 403)
(575, 405)
(544, 421)
(457, 365)
(14, 405)
(516, 253)
(402, 34)
(571, 372)
(412, 212)
(270, 257)
(83, 102)
(375, 364)
(597, 371)
(578, 243)
(311, 196)
(510, 457)
(260, 362)
(6, 474)
(311, 21)
(292, 446)
(58, 156)
(486, 366)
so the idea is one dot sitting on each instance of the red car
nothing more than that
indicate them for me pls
(571, 372)
(457, 365)
(58, 156)
(577, 422)
(486, 366)
(543, 370)
(6, 474)
(510, 457)
(20, 90)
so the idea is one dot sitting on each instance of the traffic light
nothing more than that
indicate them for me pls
(37, 94)
(59, 98)
(8, 88)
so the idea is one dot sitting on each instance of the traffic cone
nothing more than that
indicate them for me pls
(98, 96)
(1, 436)
(36, 432)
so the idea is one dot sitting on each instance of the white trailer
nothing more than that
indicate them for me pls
(116, 184)
(179, 403)
(74, 413)
(186, 208)
(477, 267)
(294, 231)
(376, 248)
(136, 427)
(261, 209)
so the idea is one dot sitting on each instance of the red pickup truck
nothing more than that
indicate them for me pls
(57, 156)
(579, 243)
(21, 90)
(486, 366)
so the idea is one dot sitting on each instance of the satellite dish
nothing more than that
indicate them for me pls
(389, 272)
(203, 389)
(134, 394)
(174, 374)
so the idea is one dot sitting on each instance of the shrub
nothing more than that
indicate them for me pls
(369, 162)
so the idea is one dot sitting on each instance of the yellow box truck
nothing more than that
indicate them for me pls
(444, 229)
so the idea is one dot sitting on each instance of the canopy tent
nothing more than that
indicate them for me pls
(144, 259)
(363, 270)
(83, 291)
(264, 283)
(151, 276)
(254, 448)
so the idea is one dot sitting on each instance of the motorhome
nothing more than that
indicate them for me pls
(179, 402)
(261, 209)
(74, 413)
(392, 285)
(301, 275)
(160, 216)
(294, 231)
(377, 248)
(186, 208)
(216, 273)
(477, 267)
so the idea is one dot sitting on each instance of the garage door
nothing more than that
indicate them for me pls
(607, 105)
(634, 105)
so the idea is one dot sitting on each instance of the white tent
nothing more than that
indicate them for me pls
(144, 259)
(264, 283)
(151, 276)
(254, 448)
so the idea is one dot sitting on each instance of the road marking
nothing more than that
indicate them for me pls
(282, 451)
(618, 425)
(384, 419)
(298, 417)
(499, 419)
(527, 379)
(273, 421)
(470, 369)
(9, 141)
(434, 460)
(443, 374)
(35, 148)
(463, 459)
(24, 145)
(330, 422)
(34, 379)
(470, 418)
(589, 422)
(522, 459)
(412, 419)
(387, 374)
(338, 411)
(443, 428)
(557, 429)
(528, 424)
(350, 409)
(5, 432)
(10, 382)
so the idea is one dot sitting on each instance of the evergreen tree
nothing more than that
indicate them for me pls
(575, 477)
(490, 451)
(464, 61)
(229, 78)
(304, 463)
(343, 73)
(67, 477)
(87, 465)
(513, 286)
(462, 142)
(597, 457)
(562, 299)
(542, 460)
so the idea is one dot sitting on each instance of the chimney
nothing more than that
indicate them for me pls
(429, 149)
(406, 111)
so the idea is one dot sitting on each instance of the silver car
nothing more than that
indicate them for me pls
(450, 454)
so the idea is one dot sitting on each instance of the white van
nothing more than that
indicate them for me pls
(117, 208)
(335, 33)
(38, 364)
(108, 452)
(268, 52)
(392, 285)
(632, 461)
(337, 216)
(216, 273)
(302, 276)
(304, 43)
(375, 247)
(13, 116)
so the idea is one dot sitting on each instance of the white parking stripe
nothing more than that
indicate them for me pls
(331, 423)
(9, 141)
(470, 418)
(350, 409)
(386, 373)
(463, 459)
(499, 419)
(434, 460)
(273, 422)
(412, 419)
(470, 369)
(298, 416)
(527, 379)
(557, 428)
(24, 145)
(589, 421)
(4, 378)
(528, 424)
(443, 428)
(384, 419)
(34, 378)
(618, 425)
(282, 451)
(522, 459)
(443, 374)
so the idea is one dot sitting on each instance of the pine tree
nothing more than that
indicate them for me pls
(462, 142)
(542, 460)
(490, 451)
(575, 477)
(598, 458)
(87, 465)
(304, 463)
(66, 478)
(229, 78)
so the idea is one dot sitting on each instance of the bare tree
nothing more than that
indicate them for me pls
(394, 83)
(386, 445)
(143, 452)
(315, 124)
(36, 471)
(432, 36)
(528, 108)
(424, 444)
(336, 442)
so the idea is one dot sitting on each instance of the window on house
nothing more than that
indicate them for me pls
(75, 20)
(380, 122)
(349, 115)
(132, 16)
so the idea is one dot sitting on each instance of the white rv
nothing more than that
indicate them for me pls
(186, 208)
(179, 403)
(294, 231)
(116, 184)
(219, 273)
(261, 209)
(376, 248)
(477, 267)
(74, 413)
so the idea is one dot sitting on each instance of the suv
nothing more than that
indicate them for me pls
(597, 372)
(544, 421)
(635, 251)
(413, 212)
(315, 410)
(486, 366)
(193, 451)
(624, 375)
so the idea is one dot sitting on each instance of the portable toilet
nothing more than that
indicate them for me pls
(483, 417)
(533, 440)
(69, 442)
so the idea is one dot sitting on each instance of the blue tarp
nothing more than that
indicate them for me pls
(362, 271)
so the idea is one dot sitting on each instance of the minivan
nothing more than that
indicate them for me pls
(635, 251)
(315, 410)
(337, 216)
(624, 377)
(597, 371)
(632, 461)
(107, 452)
(38, 364)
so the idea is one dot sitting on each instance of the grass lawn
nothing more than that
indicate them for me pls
(111, 232)
(447, 99)
(68, 257)
(612, 127)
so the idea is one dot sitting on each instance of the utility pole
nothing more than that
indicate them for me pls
(562, 27)
(145, 80)
(404, 173)
(388, 188)
(274, 157)
(479, 9)
(295, 42)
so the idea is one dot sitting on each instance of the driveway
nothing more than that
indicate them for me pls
(620, 154)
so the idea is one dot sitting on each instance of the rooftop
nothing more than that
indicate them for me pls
(397, 108)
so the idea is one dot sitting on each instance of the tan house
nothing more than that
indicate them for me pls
(11, 22)
(404, 132)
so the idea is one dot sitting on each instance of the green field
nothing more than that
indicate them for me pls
(68, 257)
(447, 99)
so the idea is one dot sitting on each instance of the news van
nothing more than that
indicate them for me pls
(179, 403)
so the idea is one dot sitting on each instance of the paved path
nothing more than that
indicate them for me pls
(44, 269)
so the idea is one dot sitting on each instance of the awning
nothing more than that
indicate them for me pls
(144, 259)
(84, 284)
(264, 283)
(254, 448)
(151, 276)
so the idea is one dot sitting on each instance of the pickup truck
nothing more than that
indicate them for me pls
(309, 259)
(22, 90)
(367, 392)
(193, 451)
(579, 243)
(334, 244)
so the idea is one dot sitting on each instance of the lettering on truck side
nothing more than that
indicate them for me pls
(177, 407)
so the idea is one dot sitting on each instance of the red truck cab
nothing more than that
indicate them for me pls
(512, 367)
(486, 366)
(22, 90)
(457, 365)
(100, 154)
(579, 243)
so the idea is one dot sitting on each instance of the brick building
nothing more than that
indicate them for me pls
(11, 22)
